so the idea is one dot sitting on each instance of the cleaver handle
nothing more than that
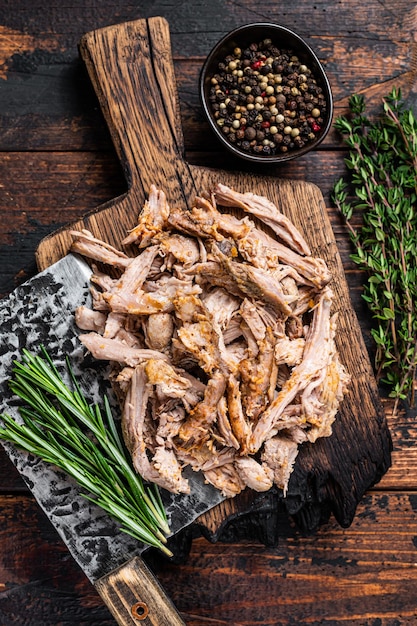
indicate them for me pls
(134, 596)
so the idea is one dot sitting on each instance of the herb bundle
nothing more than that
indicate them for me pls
(382, 166)
(62, 428)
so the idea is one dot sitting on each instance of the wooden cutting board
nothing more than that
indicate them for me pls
(131, 68)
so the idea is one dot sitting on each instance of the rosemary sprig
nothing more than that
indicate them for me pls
(382, 168)
(62, 428)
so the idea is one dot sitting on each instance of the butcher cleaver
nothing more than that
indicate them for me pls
(41, 312)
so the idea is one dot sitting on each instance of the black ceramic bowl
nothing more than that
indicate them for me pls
(283, 39)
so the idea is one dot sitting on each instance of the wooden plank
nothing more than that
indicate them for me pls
(351, 18)
(403, 472)
(54, 187)
(362, 575)
(42, 191)
(61, 186)
(48, 125)
(40, 583)
(11, 481)
(354, 19)
(42, 76)
(31, 118)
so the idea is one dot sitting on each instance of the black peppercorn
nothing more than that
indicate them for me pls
(250, 133)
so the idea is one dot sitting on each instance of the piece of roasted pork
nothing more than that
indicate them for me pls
(221, 340)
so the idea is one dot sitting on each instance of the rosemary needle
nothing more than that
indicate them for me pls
(62, 428)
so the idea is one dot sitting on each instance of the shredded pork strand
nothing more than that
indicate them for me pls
(220, 338)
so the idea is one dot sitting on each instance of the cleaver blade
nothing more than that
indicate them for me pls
(41, 312)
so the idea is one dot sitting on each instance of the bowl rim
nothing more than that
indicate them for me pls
(324, 82)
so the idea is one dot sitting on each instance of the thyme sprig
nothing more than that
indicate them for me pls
(382, 174)
(62, 428)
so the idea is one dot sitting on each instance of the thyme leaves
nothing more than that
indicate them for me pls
(382, 176)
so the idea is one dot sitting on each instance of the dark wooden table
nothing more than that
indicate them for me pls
(56, 163)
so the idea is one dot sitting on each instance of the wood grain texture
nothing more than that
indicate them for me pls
(47, 101)
(57, 162)
(40, 583)
(363, 575)
(133, 594)
(131, 69)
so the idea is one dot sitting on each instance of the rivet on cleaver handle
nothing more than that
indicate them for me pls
(133, 595)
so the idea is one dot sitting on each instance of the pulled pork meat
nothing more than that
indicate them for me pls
(221, 340)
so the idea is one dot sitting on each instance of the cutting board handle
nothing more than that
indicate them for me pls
(132, 72)
(134, 597)
(131, 68)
